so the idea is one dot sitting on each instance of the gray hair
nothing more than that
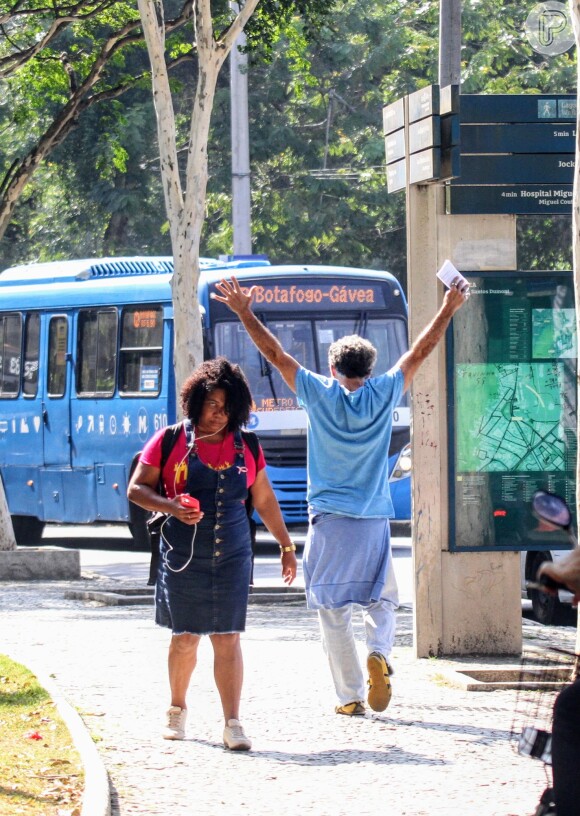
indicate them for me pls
(352, 356)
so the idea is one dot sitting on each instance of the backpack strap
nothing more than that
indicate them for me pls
(253, 444)
(168, 442)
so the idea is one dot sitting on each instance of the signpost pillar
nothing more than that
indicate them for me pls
(469, 165)
(465, 603)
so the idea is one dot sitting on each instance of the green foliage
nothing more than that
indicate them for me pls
(41, 86)
(544, 242)
(497, 57)
(273, 17)
(94, 180)
(80, 203)
(318, 182)
(317, 150)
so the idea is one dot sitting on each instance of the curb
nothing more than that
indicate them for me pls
(40, 564)
(144, 596)
(96, 800)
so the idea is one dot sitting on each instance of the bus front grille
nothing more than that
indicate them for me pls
(294, 510)
(284, 451)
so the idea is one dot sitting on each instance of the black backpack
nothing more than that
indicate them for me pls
(168, 442)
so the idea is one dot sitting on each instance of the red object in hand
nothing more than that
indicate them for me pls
(188, 501)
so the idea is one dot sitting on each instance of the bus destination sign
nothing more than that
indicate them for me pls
(316, 294)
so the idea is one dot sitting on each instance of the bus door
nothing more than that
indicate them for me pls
(21, 430)
(56, 416)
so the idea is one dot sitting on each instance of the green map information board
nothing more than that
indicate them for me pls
(514, 395)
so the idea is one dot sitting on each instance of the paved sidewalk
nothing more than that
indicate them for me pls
(436, 750)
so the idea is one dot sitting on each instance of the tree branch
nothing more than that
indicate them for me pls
(231, 34)
(21, 170)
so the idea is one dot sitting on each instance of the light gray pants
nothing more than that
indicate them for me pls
(340, 645)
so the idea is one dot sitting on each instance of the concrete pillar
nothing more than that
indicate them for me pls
(465, 603)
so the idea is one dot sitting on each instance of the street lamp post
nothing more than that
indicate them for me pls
(241, 193)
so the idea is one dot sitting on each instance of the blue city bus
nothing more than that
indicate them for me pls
(309, 307)
(86, 376)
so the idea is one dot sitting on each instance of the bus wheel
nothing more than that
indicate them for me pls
(138, 528)
(27, 530)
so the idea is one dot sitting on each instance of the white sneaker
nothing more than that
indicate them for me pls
(234, 737)
(175, 728)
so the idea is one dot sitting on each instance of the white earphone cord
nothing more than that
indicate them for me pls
(177, 469)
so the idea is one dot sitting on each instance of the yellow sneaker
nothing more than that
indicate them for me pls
(379, 682)
(356, 709)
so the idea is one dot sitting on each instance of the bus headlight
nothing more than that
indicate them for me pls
(402, 467)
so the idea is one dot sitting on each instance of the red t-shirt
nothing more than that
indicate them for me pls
(217, 457)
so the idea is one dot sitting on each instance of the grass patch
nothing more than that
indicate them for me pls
(440, 680)
(41, 771)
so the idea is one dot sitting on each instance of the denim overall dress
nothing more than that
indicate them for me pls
(208, 595)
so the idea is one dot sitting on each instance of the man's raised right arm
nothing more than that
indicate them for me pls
(267, 344)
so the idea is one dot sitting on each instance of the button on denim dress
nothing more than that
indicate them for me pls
(208, 595)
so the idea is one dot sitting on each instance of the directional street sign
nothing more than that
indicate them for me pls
(528, 141)
(418, 140)
(397, 176)
(395, 145)
(511, 108)
(518, 169)
(450, 130)
(500, 153)
(424, 102)
(449, 100)
(394, 116)
(522, 199)
(508, 138)
(425, 133)
(424, 166)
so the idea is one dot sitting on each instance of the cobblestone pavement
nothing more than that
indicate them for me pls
(436, 750)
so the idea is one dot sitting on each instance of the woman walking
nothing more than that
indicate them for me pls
(205, 561)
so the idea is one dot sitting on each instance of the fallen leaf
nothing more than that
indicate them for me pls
(33, 735)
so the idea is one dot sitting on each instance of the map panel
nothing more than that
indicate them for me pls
(554, 333)
(509, 417)
(514, 395)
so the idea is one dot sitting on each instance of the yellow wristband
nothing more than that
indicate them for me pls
(291, 548)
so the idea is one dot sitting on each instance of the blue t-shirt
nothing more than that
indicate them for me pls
(348, 442)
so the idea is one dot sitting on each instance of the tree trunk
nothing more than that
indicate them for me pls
(188, 349)
(575, 14)
(185, 203)
(7, 539)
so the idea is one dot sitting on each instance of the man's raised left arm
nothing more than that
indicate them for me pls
(410, 362)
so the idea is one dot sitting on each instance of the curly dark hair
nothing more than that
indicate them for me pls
(352, 356)
(208, 376)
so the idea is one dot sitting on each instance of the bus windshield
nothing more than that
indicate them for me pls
(307, 340)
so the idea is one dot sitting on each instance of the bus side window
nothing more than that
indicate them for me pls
(140, 351)
(31, 355)
(96, 352)
(57, 348)
(10, 354)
